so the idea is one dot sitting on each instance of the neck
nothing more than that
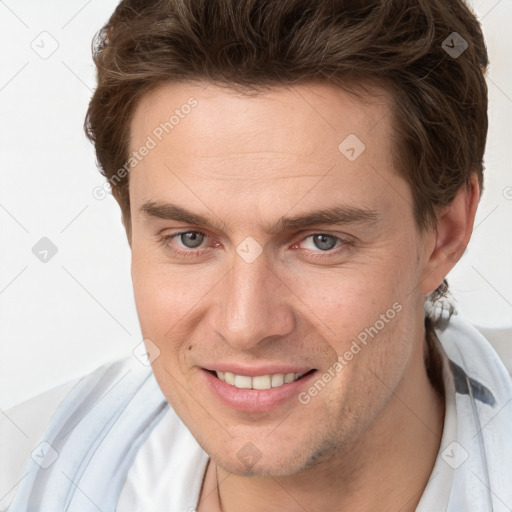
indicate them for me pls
(387, 469)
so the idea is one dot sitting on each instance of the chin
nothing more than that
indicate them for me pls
(272, 460)
(262, 468)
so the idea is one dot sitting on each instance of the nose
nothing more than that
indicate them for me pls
(253, 305)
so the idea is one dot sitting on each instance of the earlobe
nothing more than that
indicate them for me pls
(452, 235)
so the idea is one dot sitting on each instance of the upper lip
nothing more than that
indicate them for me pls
(254, 371)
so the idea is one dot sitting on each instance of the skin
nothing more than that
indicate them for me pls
(369, 439)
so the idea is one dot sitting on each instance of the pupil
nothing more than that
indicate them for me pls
(191, 239)
(324, 242)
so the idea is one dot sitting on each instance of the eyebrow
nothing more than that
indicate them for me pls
(331, 216)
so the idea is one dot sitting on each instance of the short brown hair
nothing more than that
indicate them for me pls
(416, 50)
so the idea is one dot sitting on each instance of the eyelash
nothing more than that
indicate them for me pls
(164, 241)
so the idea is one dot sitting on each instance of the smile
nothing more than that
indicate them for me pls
(256, 390)
(259, 381)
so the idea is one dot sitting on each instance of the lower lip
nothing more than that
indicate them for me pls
(255, 400)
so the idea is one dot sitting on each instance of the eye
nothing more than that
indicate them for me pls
(321, 241)
(190, 239)
(322, 245)
(184, 244)
(317, 245)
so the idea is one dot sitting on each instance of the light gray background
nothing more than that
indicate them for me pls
(65, 317)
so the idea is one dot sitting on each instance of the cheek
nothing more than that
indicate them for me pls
(365, 312)
(346, 300)
(164, 294)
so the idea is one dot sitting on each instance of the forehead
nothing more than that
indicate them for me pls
(272, 146)
(305, 119)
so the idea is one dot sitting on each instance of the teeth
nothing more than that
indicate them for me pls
(289, 377)
(260, 381)
(243, 382)
(277, 380)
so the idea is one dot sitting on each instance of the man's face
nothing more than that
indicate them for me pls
(258, 293)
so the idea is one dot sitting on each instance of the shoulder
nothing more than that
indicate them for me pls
(481, 350)
(22, 426)
(20, 429)
(501, 341)
(98, 428)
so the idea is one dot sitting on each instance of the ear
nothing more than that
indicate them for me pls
(448, 242)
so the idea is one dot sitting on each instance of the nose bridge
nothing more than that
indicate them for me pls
(253, 304)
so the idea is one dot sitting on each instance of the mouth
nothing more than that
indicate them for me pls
(256, 389)
(259, 382)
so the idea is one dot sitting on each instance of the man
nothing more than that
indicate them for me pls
(296, 181)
